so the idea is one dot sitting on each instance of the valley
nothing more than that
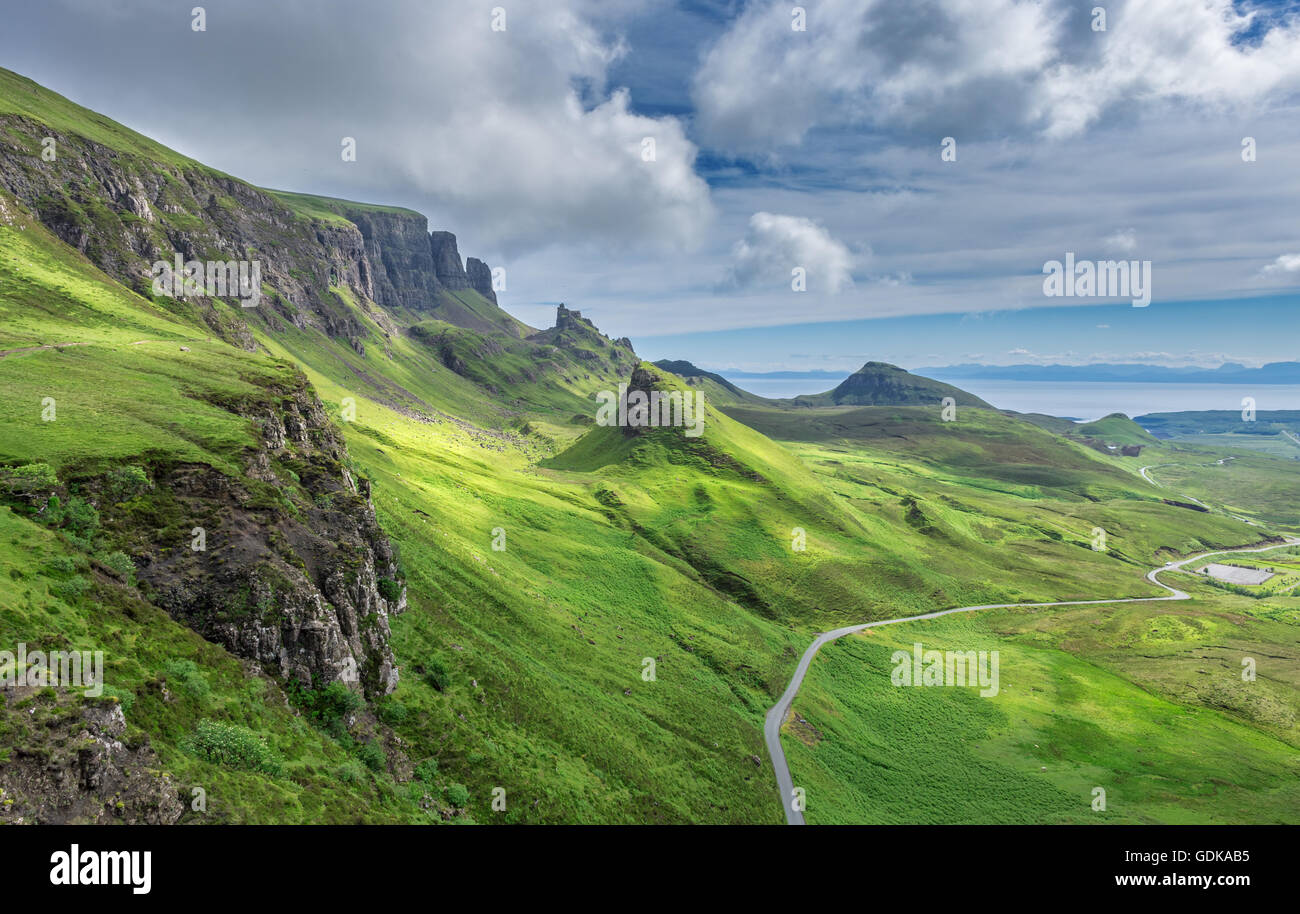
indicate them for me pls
(435, 588)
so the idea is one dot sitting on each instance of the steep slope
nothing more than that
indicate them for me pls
(596, 620)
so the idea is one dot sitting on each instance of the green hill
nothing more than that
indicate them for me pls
(1116, 428)
(362, 552)
(882, 384)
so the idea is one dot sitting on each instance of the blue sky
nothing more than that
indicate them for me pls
(775, 149)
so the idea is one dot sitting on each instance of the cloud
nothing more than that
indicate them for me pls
(1124, 241)
(975, 70)
(510, 138)
(1285, 263)
(774, 245)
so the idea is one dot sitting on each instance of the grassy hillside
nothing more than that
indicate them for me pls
(595, 622)
(882, 384)
(1116, 429)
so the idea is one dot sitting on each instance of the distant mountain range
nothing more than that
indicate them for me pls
(1227, 373)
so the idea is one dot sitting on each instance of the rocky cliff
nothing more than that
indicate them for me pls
(70, 764)
(480, 278)
(126, 212)
(295, 572)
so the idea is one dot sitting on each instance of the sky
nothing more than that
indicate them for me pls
(916, 162)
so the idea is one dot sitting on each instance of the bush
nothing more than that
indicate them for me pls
(124, 697)
(457, 795)
(329, 706)
(78, 517)
(124, 483)
(28, 479)
(372, 756)
(349, 772)
(186, 677)
(232, 746)
(427, 770)
(120, 564)
(389, 589)
(393, 712)
(436, 675)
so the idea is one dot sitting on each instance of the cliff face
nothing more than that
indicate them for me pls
(480, 278)
(447, 264)
(71, 765)
(399, 257)
(125, 213)
(295, 572)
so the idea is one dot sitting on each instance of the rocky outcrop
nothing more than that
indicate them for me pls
(566, 319)
(294, 571)
(642, 380)
(127, 212)
(480, 278)
(69, 764)
(399, 258)
(447, 265)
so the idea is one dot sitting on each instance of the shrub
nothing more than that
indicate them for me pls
(436, 675)
(124, 697)
(78, 517)
(457, 795)
(427, 770)
(393, 712)
(120, 563)
(329, 706)
(28, 479)
(186, 677)
(125, 482)
(232, 746)
(389, 589)
(350, 772)
(372, 756)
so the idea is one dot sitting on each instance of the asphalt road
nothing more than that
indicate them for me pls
(776, 715)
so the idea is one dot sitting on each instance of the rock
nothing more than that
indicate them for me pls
(447, 266)
(300, 594)
(70, 766)
(480, 278)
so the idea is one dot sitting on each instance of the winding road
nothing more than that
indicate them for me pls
(777, 714)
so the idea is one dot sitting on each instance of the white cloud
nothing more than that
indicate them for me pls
(513, 139)
(1285, 263)
(774, 245)
(1124, 241)
(975, 69)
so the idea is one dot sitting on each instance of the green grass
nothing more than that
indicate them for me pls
(1062, 724)
(523, 668)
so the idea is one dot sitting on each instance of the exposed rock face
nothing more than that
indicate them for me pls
(399, 258)
(447, 264)
(69, 765)
(306, 591)
(480, 278)
(644, 381)
(126, 212)
(566, 319)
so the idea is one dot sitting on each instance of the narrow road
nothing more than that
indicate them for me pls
(776, 715)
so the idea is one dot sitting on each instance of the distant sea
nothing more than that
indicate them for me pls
(1084, 400)
(1093, 399)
